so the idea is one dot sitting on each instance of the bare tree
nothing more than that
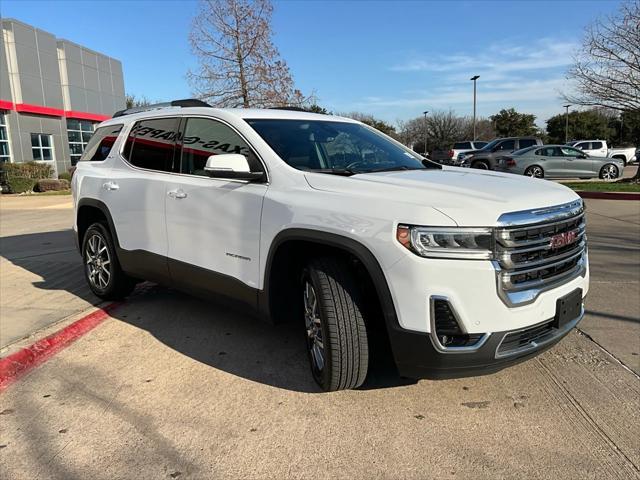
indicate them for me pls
(607, 67)
(239, 66)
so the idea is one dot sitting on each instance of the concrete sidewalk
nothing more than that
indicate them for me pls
(41, 279)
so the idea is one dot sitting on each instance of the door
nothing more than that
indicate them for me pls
(136, 191)
(577, 163)
(598, 149)
(551, 161)
(213, 225)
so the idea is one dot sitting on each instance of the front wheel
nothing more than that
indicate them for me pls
(101, 266)
(336, 335)
(609, 172)
(535, 171)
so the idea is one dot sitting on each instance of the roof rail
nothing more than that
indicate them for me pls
(187, 102)
(292, 109)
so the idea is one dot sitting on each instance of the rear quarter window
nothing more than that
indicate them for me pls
(101, 143)
(462, 146)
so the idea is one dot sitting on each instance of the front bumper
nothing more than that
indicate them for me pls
(416, 355)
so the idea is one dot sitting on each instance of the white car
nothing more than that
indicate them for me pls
(599, 148)
(328, 223)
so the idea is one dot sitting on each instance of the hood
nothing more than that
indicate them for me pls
(468, 197)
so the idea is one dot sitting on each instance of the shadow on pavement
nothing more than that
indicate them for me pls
(209, 333)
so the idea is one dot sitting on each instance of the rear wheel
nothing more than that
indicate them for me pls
(480, 165)
(336, 335)
(101, 267)
(609, 172)
(534, 171)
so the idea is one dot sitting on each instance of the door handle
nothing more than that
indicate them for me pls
(110, 186)
(179, 194)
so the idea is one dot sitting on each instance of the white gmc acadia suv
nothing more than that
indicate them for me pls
(326, 222)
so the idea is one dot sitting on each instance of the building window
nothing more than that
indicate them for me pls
(79, 132)
(41, 146)
(4, 140)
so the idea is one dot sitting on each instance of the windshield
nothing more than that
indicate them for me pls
(335, 147)
(491, 144)
(522, 151)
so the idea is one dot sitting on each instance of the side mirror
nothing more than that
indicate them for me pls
(231, 165)
(582, 155)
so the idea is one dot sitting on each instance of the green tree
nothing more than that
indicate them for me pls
(510, 123)
(625, 129)
(315, 108)
(582, 125)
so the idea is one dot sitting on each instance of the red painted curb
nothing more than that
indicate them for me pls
(610, 195)
(19, 363)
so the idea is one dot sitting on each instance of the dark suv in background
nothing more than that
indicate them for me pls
(487, 156)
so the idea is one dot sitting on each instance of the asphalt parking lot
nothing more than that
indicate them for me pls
(173, 387)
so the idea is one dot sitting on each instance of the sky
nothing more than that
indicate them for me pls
(391, 59)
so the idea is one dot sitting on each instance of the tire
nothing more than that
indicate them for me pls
(609, 171)
(480, 165)
(101, 266)
(336, 334)
(534, 171)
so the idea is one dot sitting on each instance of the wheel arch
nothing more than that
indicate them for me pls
(288, 240)
(89, 211)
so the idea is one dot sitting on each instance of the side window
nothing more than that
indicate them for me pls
(596, 145)
(508, 145)
(548, 152)
(204, 137)
(527, 142)
(570, 152)
(151, 143)
(462, 146)
(99, 146)
(583, 146)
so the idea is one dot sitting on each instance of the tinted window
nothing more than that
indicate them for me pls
(583, 146)
(150, 144)
(462, 146)
(596, 145)
(204, 137)
(507, 145)
(523, 151)
(527, 142)
(322, 145)
(479, 145)
(100, 144)
(549, 152)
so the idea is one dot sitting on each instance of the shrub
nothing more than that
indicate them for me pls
(51, 184)
(21, 184)
(65, 176)
(32, 170)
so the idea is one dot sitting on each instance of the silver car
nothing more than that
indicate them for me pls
(559, 161)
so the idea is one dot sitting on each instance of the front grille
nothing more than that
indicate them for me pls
(531, 259)
(525, 339)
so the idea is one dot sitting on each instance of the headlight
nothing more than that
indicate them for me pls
(447, 242)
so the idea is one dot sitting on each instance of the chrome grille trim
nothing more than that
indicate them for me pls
(525, 263)
(539, 341)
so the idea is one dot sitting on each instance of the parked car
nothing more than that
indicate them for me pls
(485, 158)
(328, 223)
(450, 156)
(560, 161)
(599, 148)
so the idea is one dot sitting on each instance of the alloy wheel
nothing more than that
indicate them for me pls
(535, 172)
(98, 262)
(609, 172)
(314, 327)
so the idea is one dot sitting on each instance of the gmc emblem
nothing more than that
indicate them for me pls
(562, 239)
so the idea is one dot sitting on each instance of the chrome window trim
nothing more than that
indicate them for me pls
(530, 218)
(433, 334)
(127, 129)
(531, 346)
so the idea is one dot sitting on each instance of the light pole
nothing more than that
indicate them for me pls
(425, 133)
(474, 78)
(566, 123)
